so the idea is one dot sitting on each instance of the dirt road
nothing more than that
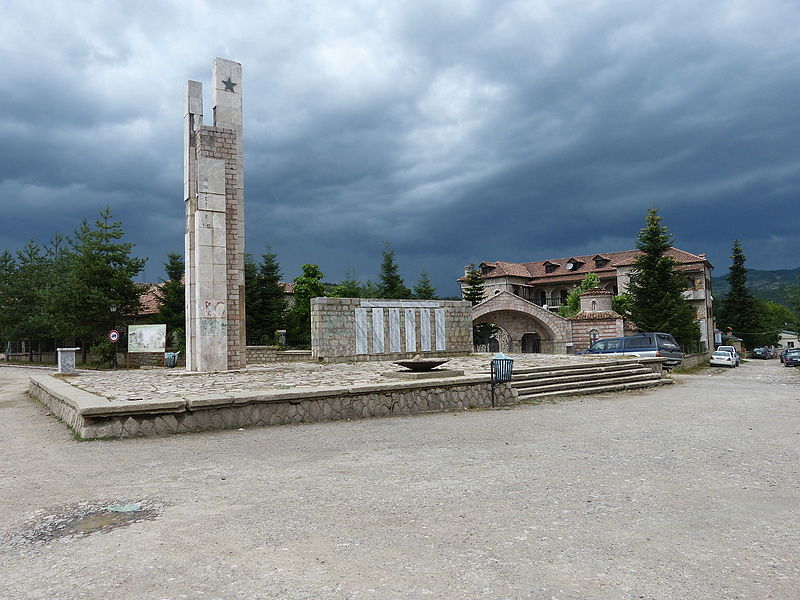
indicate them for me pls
(687, 491)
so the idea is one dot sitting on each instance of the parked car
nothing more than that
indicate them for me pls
(772, 352)
(783, 354)
(644, 345)
(792, 358)
(759, 353)
(722, 358)
(732, 350)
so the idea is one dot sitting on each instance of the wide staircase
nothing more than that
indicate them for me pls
(541, 383)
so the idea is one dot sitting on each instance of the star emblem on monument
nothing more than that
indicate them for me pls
(229, 85)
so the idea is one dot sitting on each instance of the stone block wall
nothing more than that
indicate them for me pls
(272, 354)
(606, 328)
(365, 329)
(85, 415)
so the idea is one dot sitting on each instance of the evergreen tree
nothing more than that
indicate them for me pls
(573, 305)
(793, 299)
(473, 290)
(8, 272)
(391, 283)
(655, 289)
(266, 299)
(349, 287)
(273, 297)
(171, 296)
(424, 289)
(101, 272)
(306, 286)
(27, 309)
(739, 309)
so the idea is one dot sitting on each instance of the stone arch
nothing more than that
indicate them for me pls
(518, 317)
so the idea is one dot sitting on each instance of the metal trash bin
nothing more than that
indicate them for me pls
(171, 359)
(502, 366)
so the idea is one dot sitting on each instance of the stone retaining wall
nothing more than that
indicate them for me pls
(272, 354)
(94, 417)
(692, 360)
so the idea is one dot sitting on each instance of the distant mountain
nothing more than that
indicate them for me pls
(769, 285)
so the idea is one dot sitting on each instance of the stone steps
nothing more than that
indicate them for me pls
(539, 383)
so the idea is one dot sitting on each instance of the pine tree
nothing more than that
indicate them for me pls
(573, 304)
(306, 286)
(473, 290)
(739, 309)
(171, 296)
(266, 299)
(655, 289)
(391, 283)
(101, 272)
(424, 289)
(8, 272)
(348, 288)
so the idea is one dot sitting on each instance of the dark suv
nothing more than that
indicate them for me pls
(644, 345)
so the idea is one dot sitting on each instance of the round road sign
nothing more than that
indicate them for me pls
(113, 335)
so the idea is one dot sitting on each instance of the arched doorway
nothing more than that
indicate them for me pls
(531, 343)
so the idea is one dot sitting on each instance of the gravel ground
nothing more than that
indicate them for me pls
(684, 492)
(151, 384)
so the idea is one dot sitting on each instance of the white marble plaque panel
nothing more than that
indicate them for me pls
(441, 332)
(361, 331)
(394, 330)
(425, 329)
(377, 331)
(411, 330)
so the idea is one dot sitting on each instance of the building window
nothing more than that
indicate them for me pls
(594, 305)
(594, 335)
(550, 268)
(564, 295)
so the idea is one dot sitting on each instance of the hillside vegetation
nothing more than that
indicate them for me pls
(769, 285)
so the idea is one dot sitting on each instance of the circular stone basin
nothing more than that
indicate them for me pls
(421, 364)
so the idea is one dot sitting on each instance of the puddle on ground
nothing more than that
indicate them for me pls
(81, 519)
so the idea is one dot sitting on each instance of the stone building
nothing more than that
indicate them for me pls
(521, 298)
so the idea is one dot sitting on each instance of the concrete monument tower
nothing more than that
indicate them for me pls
(213, 191)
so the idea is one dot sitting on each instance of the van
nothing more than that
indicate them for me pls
(643, 345)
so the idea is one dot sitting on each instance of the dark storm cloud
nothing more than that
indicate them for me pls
(459, 131)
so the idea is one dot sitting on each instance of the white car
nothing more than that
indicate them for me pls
(720, 358)
(733, 351)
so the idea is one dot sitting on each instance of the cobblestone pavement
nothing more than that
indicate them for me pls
(155, 383)
(687, 491)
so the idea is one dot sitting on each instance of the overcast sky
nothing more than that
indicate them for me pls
(459, 131)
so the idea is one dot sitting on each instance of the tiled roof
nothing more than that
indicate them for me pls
(582, 265)
(288, 288)
(148, 298)
(597, 291)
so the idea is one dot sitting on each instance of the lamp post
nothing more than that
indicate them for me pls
(113, 309)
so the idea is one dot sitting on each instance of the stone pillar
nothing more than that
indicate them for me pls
(214, 239)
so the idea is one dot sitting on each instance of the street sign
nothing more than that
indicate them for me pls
(113, 335)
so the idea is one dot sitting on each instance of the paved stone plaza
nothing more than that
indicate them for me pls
(152, 384)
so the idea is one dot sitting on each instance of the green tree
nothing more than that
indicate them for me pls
(101, 272)
(171, 296)
(573, 304)
(349, 287)
(391, 283)
(739, 309)
(28, 310)
(8, 276)
(424, 289)
(793, 299)
(306, 286)
(266, 299)
(655, 289)
(776, 317)
(473, 290)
